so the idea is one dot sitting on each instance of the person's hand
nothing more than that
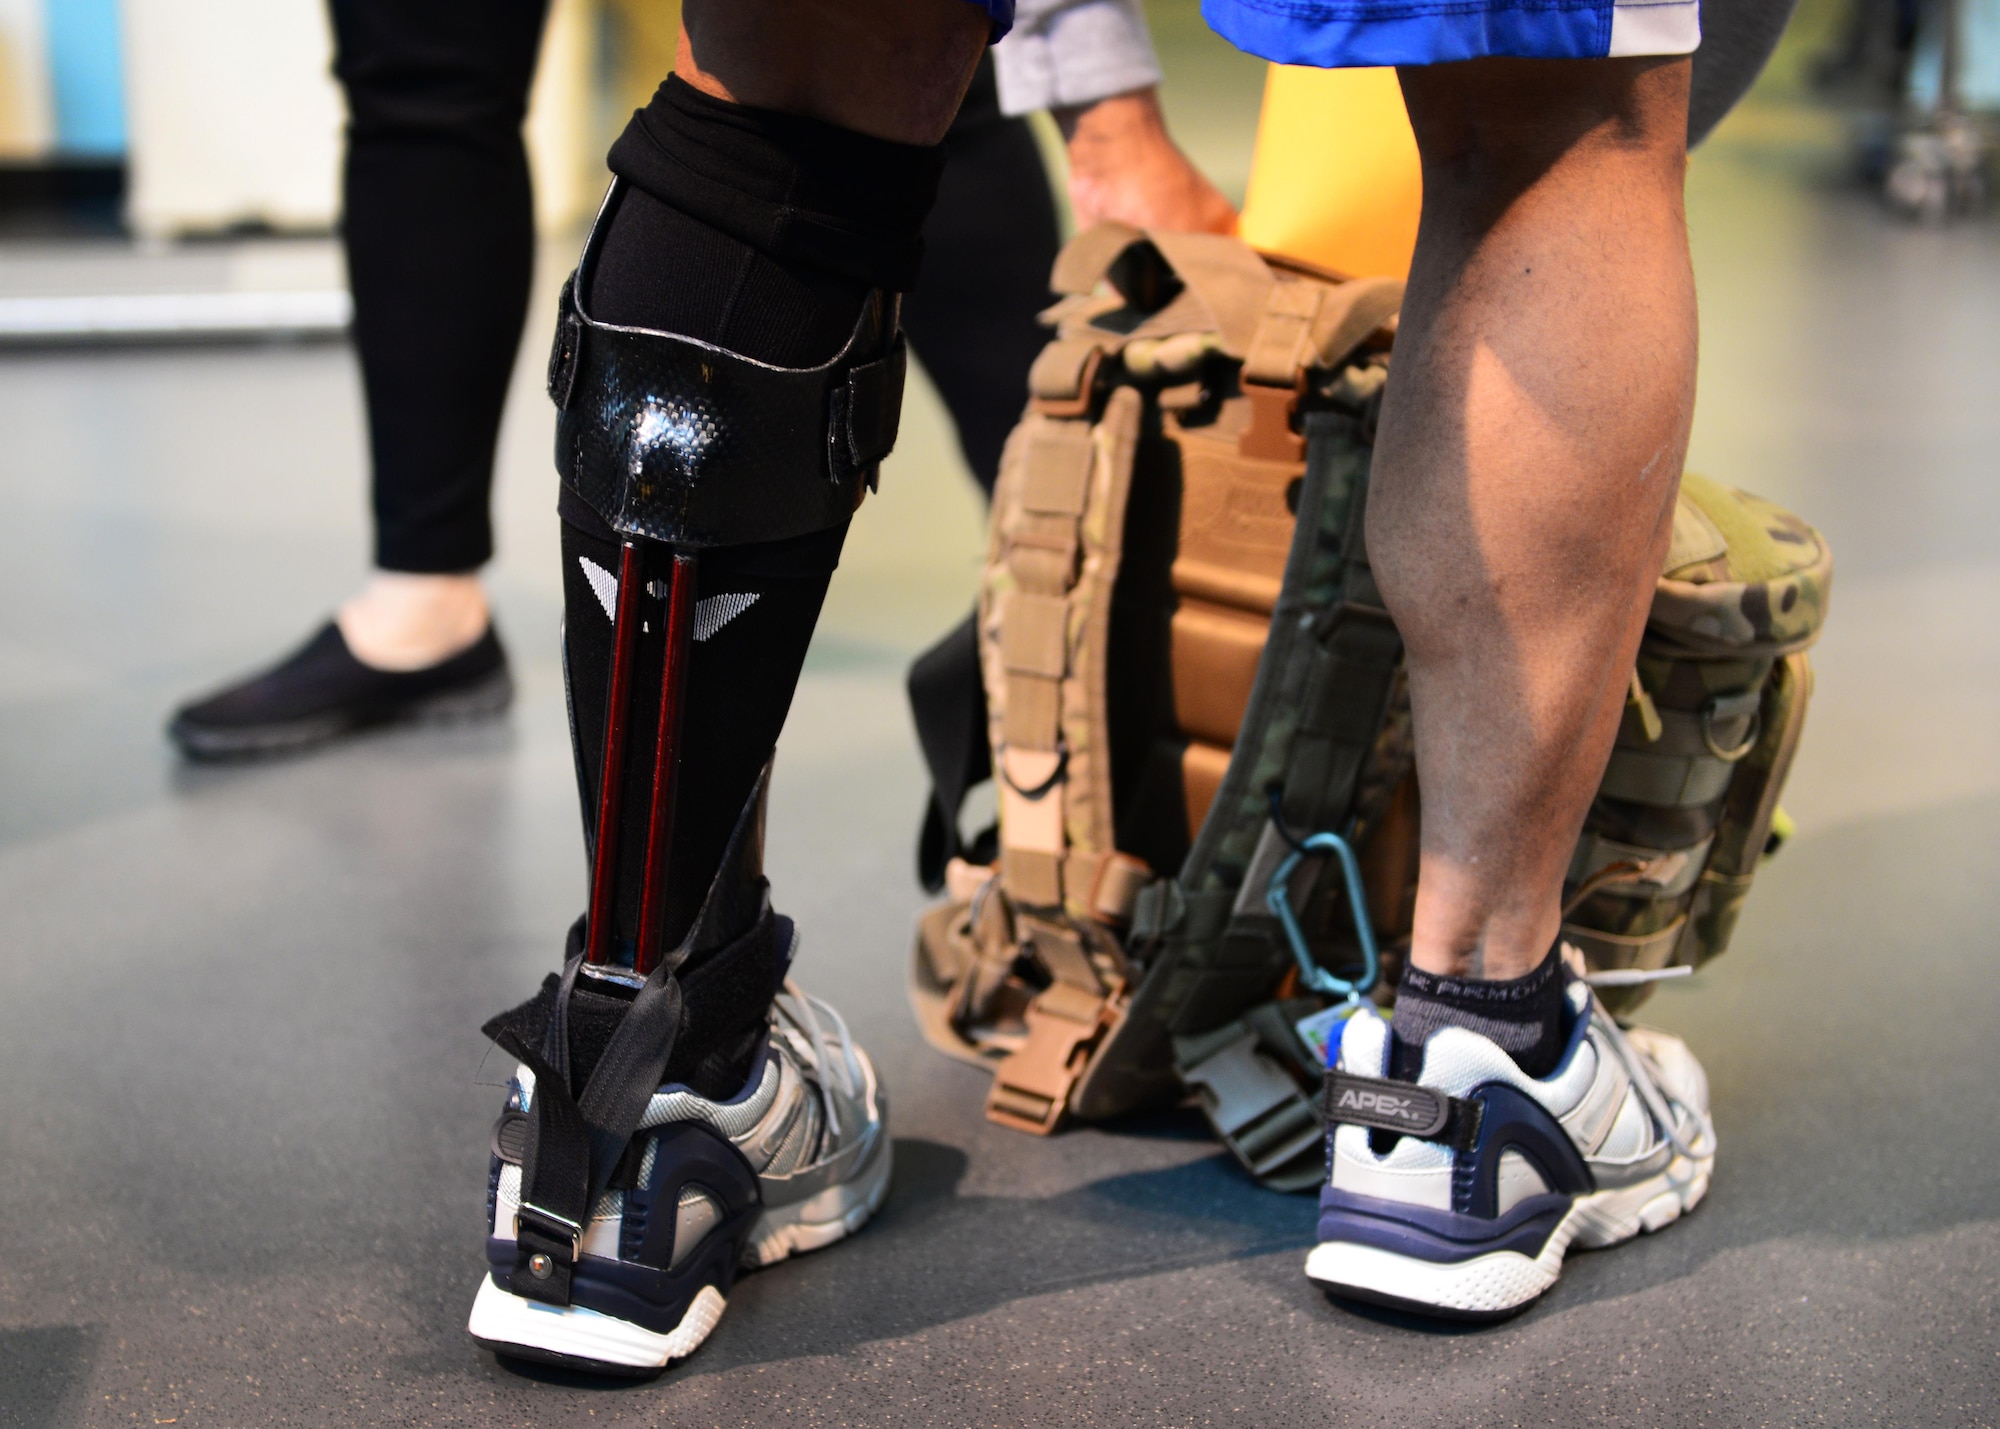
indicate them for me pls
(1124, 165)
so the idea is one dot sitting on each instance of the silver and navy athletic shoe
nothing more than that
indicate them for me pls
(796, 1160)
(1459, 1195)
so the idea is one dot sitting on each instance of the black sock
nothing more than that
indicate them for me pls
(1523, 1015)
(763, 233)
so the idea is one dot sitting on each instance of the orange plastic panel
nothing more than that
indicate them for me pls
(1335, 182)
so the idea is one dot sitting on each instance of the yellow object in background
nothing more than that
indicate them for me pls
(639, 50)
(1335, 181)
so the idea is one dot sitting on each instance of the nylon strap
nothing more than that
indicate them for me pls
(1402, 1108)
(554, 1201)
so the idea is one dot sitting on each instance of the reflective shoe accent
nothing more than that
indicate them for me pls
(1615, 1140)
(796, 1160)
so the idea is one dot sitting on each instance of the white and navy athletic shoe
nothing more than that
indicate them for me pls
(1485, 1176)
(796, 1160)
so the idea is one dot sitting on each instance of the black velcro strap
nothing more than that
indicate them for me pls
(729, 993)
(1402, 1108)
(567, 348)
(554, 1197)
(528, 1024)
(875, 405)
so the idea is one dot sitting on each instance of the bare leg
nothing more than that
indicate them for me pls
(893, 69)
(1530, 449)
(404, 620)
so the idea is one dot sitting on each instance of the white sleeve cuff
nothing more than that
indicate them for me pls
(1071, 52)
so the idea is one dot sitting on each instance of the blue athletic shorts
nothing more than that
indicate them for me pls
(1342, 34)
(1001, 13)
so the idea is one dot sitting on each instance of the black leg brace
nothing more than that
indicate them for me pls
(706, 491)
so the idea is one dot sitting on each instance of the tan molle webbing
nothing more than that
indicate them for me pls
(1044, 613)
(1059, 513)
(1063, 892)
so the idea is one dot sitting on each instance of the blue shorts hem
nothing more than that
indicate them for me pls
(1349, 34)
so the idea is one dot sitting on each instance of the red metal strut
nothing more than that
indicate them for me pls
(611, 769)
(666, 760)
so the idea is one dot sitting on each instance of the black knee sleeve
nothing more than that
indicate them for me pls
(729, 374)
(757, 231)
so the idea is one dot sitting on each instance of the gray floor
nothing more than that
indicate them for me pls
(244, 1103)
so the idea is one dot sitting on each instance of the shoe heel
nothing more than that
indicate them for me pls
(581, 1339)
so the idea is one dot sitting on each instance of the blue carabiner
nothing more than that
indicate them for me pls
(1278, 896)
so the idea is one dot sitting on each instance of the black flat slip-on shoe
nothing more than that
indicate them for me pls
(321, 692)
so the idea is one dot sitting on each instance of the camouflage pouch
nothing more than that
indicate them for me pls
(1718, 701)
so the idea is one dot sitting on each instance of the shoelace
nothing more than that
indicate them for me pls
(1659, 1105)
(802, 1012)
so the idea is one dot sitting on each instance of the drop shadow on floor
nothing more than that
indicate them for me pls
(393, 750)
(43, 1370)
(935, 1256)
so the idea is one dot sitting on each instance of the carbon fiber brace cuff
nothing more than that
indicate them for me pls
(675, 440)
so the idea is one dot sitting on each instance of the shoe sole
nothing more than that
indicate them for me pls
(577, 1338)
(1505, 1282)
(489, 696)
(574, 1337)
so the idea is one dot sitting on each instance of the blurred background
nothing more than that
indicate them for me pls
(242, 1105)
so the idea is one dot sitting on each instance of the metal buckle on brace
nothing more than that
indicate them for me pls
(1031, 1087)
(550, 1226)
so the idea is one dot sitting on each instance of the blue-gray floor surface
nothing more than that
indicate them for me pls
(244, 1104)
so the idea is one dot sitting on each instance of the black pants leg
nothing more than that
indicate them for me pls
(439, 230)
(992, 240)
(989, 245)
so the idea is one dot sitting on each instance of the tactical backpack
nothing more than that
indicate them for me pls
(1197, 718)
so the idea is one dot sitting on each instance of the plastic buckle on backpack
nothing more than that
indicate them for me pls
(1270, 435)
(1031, 1088)
(1253, 1104)
(1079, 402)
